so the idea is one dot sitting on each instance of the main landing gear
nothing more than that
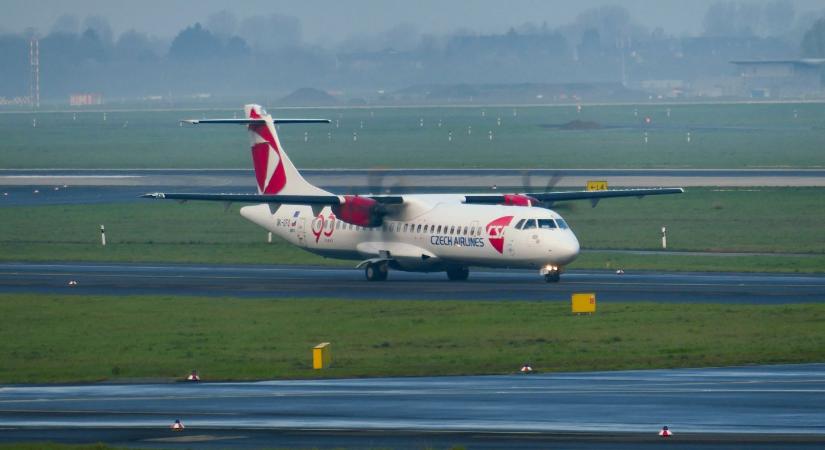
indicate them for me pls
(458, 273)
(376, 271)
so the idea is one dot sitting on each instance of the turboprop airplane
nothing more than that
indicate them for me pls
(422, 233)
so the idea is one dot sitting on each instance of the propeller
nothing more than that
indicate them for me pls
(376, 185)
(552, 181)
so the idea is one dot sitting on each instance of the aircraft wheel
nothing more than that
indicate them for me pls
(552, 277)
(458, 273)
(376, 271)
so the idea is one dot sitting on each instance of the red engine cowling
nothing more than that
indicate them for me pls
(519, 200)
(360, 211)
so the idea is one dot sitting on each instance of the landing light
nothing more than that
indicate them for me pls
(549, 268)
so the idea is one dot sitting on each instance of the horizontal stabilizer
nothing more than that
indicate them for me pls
(253, 121)
(279, 199)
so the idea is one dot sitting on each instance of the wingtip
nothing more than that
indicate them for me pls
(153, 195)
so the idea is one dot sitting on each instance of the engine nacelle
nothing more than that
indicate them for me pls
(360, 211)
(519, 200)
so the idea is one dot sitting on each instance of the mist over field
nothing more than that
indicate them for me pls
(389, 52)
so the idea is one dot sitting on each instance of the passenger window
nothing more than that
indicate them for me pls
(405, 227)
(529, 224)
(425, 228)
(418, 228)
(465, 231)
(562, 224)
(547, 224)
(452, 230)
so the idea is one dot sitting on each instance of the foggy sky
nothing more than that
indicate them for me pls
(328, 22)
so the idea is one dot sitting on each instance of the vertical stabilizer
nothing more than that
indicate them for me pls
(274, 172)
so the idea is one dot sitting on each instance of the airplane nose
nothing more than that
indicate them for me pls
(567, 249)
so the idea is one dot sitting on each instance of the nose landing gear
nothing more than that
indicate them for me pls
(551, 273)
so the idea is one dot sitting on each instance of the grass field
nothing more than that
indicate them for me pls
(771, 220)
(722, 136)
(50, 338)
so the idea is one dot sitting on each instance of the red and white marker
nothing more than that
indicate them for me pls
(526, 368)
(665, 432)
(193, 376)
(177, 426)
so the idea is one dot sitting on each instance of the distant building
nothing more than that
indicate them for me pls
(664, 88)
(85, 99)
(781, 78)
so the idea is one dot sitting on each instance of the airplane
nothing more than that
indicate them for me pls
(411, 232)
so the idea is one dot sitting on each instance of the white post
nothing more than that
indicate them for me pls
(102, 235)
(664, 238)
(269, 237)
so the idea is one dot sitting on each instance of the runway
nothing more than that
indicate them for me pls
(751, 407)
(412, 180)
(87, 186)
(286, 281)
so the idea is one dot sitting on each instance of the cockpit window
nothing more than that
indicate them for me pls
(520, 224)
(562, 224)
(530, 224)
(547, 223)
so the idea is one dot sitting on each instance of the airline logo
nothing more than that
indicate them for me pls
(269, 170)
(323, 226)
(495, 232)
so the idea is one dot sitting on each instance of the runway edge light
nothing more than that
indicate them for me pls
(583, 303)
(322, 356)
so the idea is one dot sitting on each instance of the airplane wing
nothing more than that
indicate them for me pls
(279, 199)
(549, 198)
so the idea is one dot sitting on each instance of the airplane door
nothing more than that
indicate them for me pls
(301, 231)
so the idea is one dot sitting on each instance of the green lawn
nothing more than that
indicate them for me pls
(53, 338)
(722, 136)
(753, 220)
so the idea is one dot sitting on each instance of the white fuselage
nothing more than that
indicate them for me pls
(431, 233)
